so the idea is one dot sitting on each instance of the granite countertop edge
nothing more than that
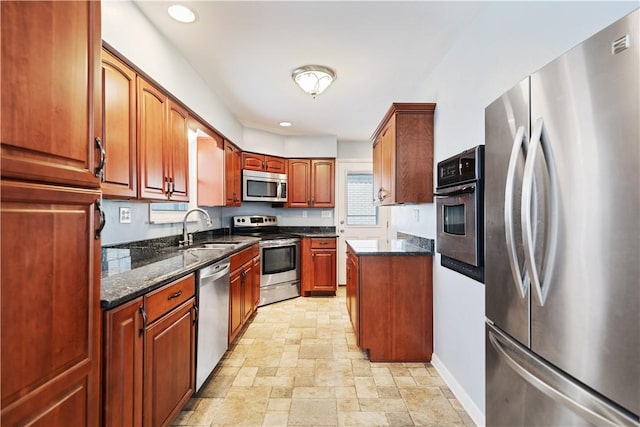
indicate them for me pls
(120, 288)
(399, 247)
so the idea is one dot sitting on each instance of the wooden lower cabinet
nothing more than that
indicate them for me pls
(122, 374)
(391, 306)
(149, 357)
(50, 313)
(169, 365)
(242, 295)
(318, 265)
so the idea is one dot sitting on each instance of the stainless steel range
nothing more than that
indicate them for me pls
(279, 257)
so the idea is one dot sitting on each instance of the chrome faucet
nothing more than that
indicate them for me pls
(187, 239)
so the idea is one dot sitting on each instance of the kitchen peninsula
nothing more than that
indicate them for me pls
(390, 298)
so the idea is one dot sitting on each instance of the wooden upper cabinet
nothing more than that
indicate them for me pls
(50, 103)
(50, 315)
(152, 116)
(119, 128)
(311, 183)
(232, 174)
(177, 153)
(163, 146)
(262, 162)
(403, 155)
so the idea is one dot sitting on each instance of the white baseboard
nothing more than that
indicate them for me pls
(476, 414)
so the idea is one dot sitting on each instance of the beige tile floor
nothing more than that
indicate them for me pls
(297, 364)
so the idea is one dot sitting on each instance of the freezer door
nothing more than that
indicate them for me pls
(524, 390)
(506, 142)
(585, 108)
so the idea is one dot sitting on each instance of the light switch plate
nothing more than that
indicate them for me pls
(125, 215)
(304, 214)
(326, 214)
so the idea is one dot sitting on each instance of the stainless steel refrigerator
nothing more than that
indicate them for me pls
(562, 224)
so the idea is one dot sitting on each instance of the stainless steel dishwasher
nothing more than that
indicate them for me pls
(213, 318)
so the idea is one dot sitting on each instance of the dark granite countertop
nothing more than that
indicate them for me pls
(395, 247)
(129, 271)
(311, 231)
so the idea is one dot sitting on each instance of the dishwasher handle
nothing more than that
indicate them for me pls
(212, 274)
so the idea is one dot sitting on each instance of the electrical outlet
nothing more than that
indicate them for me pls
(304, 214)
(125, 215)
(326, 214)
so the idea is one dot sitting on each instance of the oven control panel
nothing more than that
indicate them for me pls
(252, 221)
(464, 167)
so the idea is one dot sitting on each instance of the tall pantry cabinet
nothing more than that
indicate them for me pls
(50, 214)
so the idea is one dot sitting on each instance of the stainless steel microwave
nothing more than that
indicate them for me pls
(264, 186)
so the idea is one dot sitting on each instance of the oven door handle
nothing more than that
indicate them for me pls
(277, 243)
(470, 189)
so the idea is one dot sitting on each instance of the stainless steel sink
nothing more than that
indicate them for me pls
(220, 245)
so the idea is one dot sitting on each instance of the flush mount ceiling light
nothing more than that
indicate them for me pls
(313, 79)
(182, 13)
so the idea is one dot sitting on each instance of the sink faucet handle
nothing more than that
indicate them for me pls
(190, 239)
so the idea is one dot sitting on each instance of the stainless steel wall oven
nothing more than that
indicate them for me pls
(459, 213)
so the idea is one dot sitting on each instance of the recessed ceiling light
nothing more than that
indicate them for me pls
(182, 13)
(285, 124)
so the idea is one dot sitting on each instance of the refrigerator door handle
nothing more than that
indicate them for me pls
(539, 140)
(521, 283)
(556, 385)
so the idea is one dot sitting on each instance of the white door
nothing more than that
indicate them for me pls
(356, 216)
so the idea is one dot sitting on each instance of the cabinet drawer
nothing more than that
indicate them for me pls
(162, 300)
(241, 258)
(323, 243)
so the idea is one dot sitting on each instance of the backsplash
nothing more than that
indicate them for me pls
(422, 242)
(140, 229)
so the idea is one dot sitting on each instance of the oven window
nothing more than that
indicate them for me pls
(278, 260)
(454, 219)
(262, 188)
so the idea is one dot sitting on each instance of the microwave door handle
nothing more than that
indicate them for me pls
(279, 191)
(539, 140)
(521, 283)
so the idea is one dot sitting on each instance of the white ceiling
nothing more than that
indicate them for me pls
(381, 52)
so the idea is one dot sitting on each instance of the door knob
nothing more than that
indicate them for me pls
(342, 231)
(342, 222)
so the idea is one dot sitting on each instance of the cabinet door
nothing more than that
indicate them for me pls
(275, 164)
(50, 103)
(119, 128)
(324, 270)
(256, 282)
(169, 362)
(377, 171)
(253, 162)
(122, 349)
(247, 291)
(177, 153)
(152, 118)
(388, 155)
(235, 305)
(232, 179)
(322, 183)
(299, 178)
(49, 314)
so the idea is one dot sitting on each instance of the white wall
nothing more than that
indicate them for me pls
(355, 150)
(128, 31)
(311, 146)
(263, 142)
(506, 42)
